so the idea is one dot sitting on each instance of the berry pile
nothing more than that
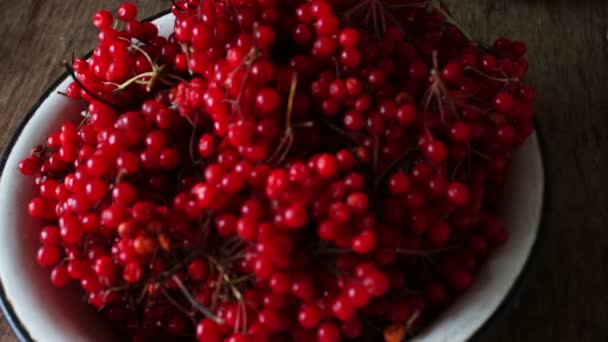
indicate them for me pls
(280, 170)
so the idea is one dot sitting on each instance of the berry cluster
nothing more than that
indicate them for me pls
(280, 170)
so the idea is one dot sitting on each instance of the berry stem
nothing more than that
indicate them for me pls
(288, 137)
(178, 306)
(193, 301)
(493, 78)
(82, 86)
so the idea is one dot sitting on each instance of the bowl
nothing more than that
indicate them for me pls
(37, 311)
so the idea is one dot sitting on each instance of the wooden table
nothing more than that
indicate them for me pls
(565, 297)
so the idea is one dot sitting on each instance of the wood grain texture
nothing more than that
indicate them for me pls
(565, 297)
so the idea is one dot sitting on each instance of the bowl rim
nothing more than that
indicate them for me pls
(23, 334)
(532, 262)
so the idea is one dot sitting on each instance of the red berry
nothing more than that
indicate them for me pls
(267, 101)
(102, 19)
(328, 332)
(296, 216)
(309, 316)
(503, 102)
(358, 295)
(60, 276)
(127, 11)
(320, 8)
(364, 243)
(452, 73)
(460, 132)
(399, 183)
(349, 38)
(265, 36)
(208, 331)
(280, 283)
(48, 255)
(343, 309)
(327, 25)
(327, 165)
(458, 193)
(406, 114)
(436, 151)
(132, 272)
(198, 269)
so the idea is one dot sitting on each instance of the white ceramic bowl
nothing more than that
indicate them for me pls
(38, 311)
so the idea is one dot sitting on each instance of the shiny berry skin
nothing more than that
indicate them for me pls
(406, 114)
(309, 316)
(37, 207)
(460, 132)
(296, 216)
(102, 19)
(458, 193)
(376, 283)
(104, 266)
(343, 309)
(399, 183)
(48, 255)
(324, 47)
(436, 151)
(358, 295)
(320, 8)
(198, 269)
(503, 102)
(327, 165)
(29, 166)
(327, 25)
(364, 243)
(267, 101)
(488, 63)
(349, 38)
(350, 57)
(127, 11)
(60, 276)
(132, 272)
(124, 194)
(328, 332)
(265, 36)
(452, 73)
(208, 331)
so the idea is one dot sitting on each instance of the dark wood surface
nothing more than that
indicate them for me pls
(565, 297)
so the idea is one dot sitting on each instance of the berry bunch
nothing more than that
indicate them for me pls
(280, 170)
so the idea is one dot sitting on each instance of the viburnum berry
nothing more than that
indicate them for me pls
(208, 330)
(328, 332)
(458, 193)
(29, 166)
(102, 19)
(267, 101)
(226, 163)
(349, 38)
(503, 102)
(48, 255)
(309, 316)
(127, 11)
(60, 276)
(452, 73)
(198, 269)
(436, 151)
